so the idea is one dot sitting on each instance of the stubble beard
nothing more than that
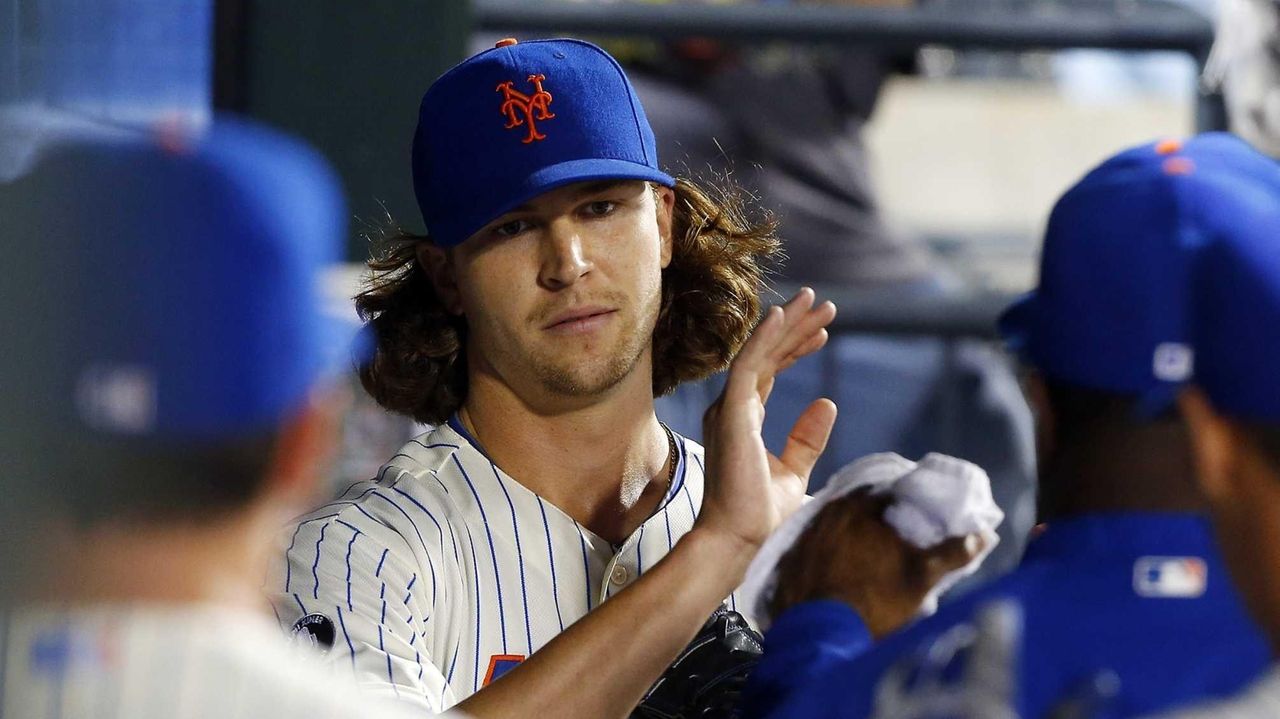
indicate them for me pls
(562, 376)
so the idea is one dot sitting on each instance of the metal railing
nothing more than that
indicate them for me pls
(1133, 26)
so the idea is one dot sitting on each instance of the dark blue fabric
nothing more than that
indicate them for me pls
(1081, 616)
(1119, 251)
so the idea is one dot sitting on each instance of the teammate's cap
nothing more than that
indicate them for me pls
(1111, 309)
(189, 271)
(1235, 311)
(520, 119)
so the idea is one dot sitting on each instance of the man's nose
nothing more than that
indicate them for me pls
(565, 256)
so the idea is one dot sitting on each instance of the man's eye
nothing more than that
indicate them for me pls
(600, 208)
(511, 229)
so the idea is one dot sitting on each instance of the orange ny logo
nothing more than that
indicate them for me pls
(519, 107)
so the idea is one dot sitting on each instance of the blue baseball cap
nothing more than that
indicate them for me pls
(188, 269)
(518, 120)
(1235, 292)
(1111, 311)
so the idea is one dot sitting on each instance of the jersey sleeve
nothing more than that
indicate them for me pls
(355, 588)
(807, 644)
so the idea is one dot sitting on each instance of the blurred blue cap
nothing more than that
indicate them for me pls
(1112, 309)
(518, 120)
(1236, 310)
(191, 267)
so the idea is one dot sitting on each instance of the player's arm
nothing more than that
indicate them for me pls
(828, 613)
(604, 663)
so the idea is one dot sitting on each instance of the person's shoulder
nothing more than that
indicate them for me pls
(222, 660)
(1260, 701)
(414, 495)
(291, 679)
(956, 619)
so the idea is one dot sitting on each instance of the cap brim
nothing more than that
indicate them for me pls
(556, 176)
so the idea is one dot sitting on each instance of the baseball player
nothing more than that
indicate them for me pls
(168, 386)
(1124, 582)
(1233, 412)
(549, 531)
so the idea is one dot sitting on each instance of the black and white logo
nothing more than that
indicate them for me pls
(314, 630)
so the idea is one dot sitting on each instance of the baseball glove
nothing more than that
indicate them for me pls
(706, 680)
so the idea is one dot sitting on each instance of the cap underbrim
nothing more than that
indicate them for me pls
(559, 175)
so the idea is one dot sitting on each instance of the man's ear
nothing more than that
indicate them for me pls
(1212, 443)
(438, 266)
(665, 199)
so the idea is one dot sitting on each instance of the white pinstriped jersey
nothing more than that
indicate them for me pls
(443, 572)
(166, 662)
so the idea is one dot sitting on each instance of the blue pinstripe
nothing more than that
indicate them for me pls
(390, 678)
(408, 592)
(515, 528)
(433, 446)
(378, 571)
(586, 566)
(551, 557)
(475, 570)
(639, 555)
(689, 495)
(342, 622)
(666, 516)
(315, 594)
(453, 663)
(452, 539)
(288, 566)
(352, 543)
(680, 471)
(493, 552)
(425, 553)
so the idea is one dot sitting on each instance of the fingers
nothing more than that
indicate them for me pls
(808, 437)
(785, 335)
(950, 555)
(804, 321)
(815, 343)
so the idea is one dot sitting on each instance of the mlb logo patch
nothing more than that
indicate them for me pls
(1170, 577)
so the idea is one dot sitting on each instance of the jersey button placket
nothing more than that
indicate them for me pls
(619, 576)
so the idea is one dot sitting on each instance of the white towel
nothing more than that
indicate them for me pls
(937, 498)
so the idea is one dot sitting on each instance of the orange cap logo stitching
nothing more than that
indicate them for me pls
(521, 108)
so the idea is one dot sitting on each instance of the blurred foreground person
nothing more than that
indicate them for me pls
(1233, 411)
(164, 399)
(1125, 581)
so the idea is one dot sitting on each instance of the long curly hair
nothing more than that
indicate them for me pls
(722, 251)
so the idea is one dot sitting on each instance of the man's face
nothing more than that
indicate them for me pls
(562, 294)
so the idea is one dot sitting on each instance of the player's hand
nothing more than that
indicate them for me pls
(851, 554)
(749, 491)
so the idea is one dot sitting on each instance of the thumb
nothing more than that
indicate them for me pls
(949, 555)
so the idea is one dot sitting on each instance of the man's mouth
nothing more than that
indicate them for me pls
(580, 319)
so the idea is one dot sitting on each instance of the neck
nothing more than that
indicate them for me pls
(1148, 469)
(219, 561)
(1246, 519)
(602, 460)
